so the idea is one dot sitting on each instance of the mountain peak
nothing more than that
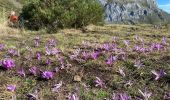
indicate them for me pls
(132, 11)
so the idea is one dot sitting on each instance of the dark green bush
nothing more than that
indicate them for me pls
(54, 14)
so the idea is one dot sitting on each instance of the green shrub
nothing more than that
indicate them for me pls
(54, 14)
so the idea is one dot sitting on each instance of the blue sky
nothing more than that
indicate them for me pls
(164, 4)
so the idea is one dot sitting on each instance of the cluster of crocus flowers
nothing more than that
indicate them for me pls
(47, 75)
(8, 63)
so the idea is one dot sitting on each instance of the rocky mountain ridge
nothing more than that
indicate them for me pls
(133, 11)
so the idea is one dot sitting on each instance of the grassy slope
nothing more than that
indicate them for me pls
(69, 40)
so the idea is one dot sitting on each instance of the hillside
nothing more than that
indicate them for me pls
(109, 62)
(80, 63)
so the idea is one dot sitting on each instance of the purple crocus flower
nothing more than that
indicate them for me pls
(124, 96)
(138, 64)
(33, 70)
(126, 42)
(21, 72)
(38, 55)
(37, 41)
(57, 86)
(95, 55)
(99, 83)
(48, 51)
(48, 61)
(115, 96)
(167, 96)
(145, 94)
(52, 43)
(159, 74)
(13, 52)
(73, 97)
(114, 39)
(2, 46)
(106, 46)
(111, 60)
(47, 75)
(11, 88)
(85, 55)
(55, 51)
(121, 96)
(165, 40)
(8, 63)
(156, 46)
(121, 72)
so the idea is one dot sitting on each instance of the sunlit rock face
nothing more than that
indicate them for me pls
(130, 11)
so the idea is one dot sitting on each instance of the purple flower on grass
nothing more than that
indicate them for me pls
(33, 96)
(99, 83)
(21, 72)
(38, 55)
(55, 51)
(158, 74)
(37, 41)
(85, 55)
(47, 75)
(33, 70)
(73, 97)
(2, 46)
(48, 52)
(11, 88)
(115, 39)
(167, 96)
(111, 60)
(8, 63)
(95, 55)
(121, 96)
(13, 52)
(165, 40)
(145, 94)
(121, 72)
(124, 96)
(138, 64)
(51, 43)
(106, 46)
(48, 61)
(126, 42)
(57, 87)
(156, 46)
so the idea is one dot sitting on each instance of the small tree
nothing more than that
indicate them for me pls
(54, 14)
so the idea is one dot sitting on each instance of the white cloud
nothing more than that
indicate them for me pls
(165, 7)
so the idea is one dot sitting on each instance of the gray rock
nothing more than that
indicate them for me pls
(132, 11)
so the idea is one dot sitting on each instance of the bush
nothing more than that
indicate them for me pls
(54, 14)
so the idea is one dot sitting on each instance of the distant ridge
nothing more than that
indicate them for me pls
(133, 11)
